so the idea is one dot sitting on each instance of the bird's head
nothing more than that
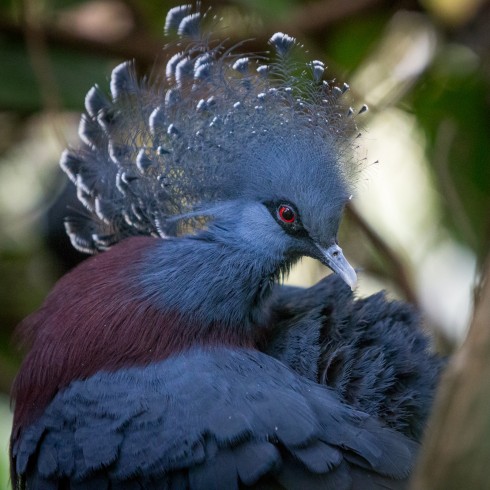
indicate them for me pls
(256, 148)
(290, 203)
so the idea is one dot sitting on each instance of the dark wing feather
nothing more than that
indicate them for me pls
(373, 352)
(208, 419)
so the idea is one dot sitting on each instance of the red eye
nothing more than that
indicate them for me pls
(286, 214)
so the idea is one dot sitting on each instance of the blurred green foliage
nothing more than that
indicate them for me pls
(455, 95)
(20, 92)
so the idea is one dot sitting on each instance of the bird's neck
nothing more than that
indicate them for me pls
(141, 302)
(209, 282)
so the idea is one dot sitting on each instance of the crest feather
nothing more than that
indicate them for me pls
(212, 127)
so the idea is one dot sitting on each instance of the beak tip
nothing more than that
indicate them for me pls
(348, 275)
(334, 258)
(351, 281)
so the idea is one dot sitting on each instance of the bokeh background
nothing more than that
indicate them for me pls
(419, 225)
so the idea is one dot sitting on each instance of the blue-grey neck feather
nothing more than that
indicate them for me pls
(216, 276)
(214, 127)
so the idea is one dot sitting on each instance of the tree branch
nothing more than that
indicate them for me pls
(397, 268)
(457, 447)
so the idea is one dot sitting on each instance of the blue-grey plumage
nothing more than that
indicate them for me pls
(216, 130)
(145, 368)
(371, 351)
(208, 419)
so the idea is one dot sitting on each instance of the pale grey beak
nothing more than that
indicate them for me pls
(334, 258)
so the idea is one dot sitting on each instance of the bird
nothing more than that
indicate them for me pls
(174, 357)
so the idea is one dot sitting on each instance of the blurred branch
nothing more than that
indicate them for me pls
(38, 52)
(397, 268)
(456, 451)
(308, 19)
(137, 16)
(136, 45)
(312, 18)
